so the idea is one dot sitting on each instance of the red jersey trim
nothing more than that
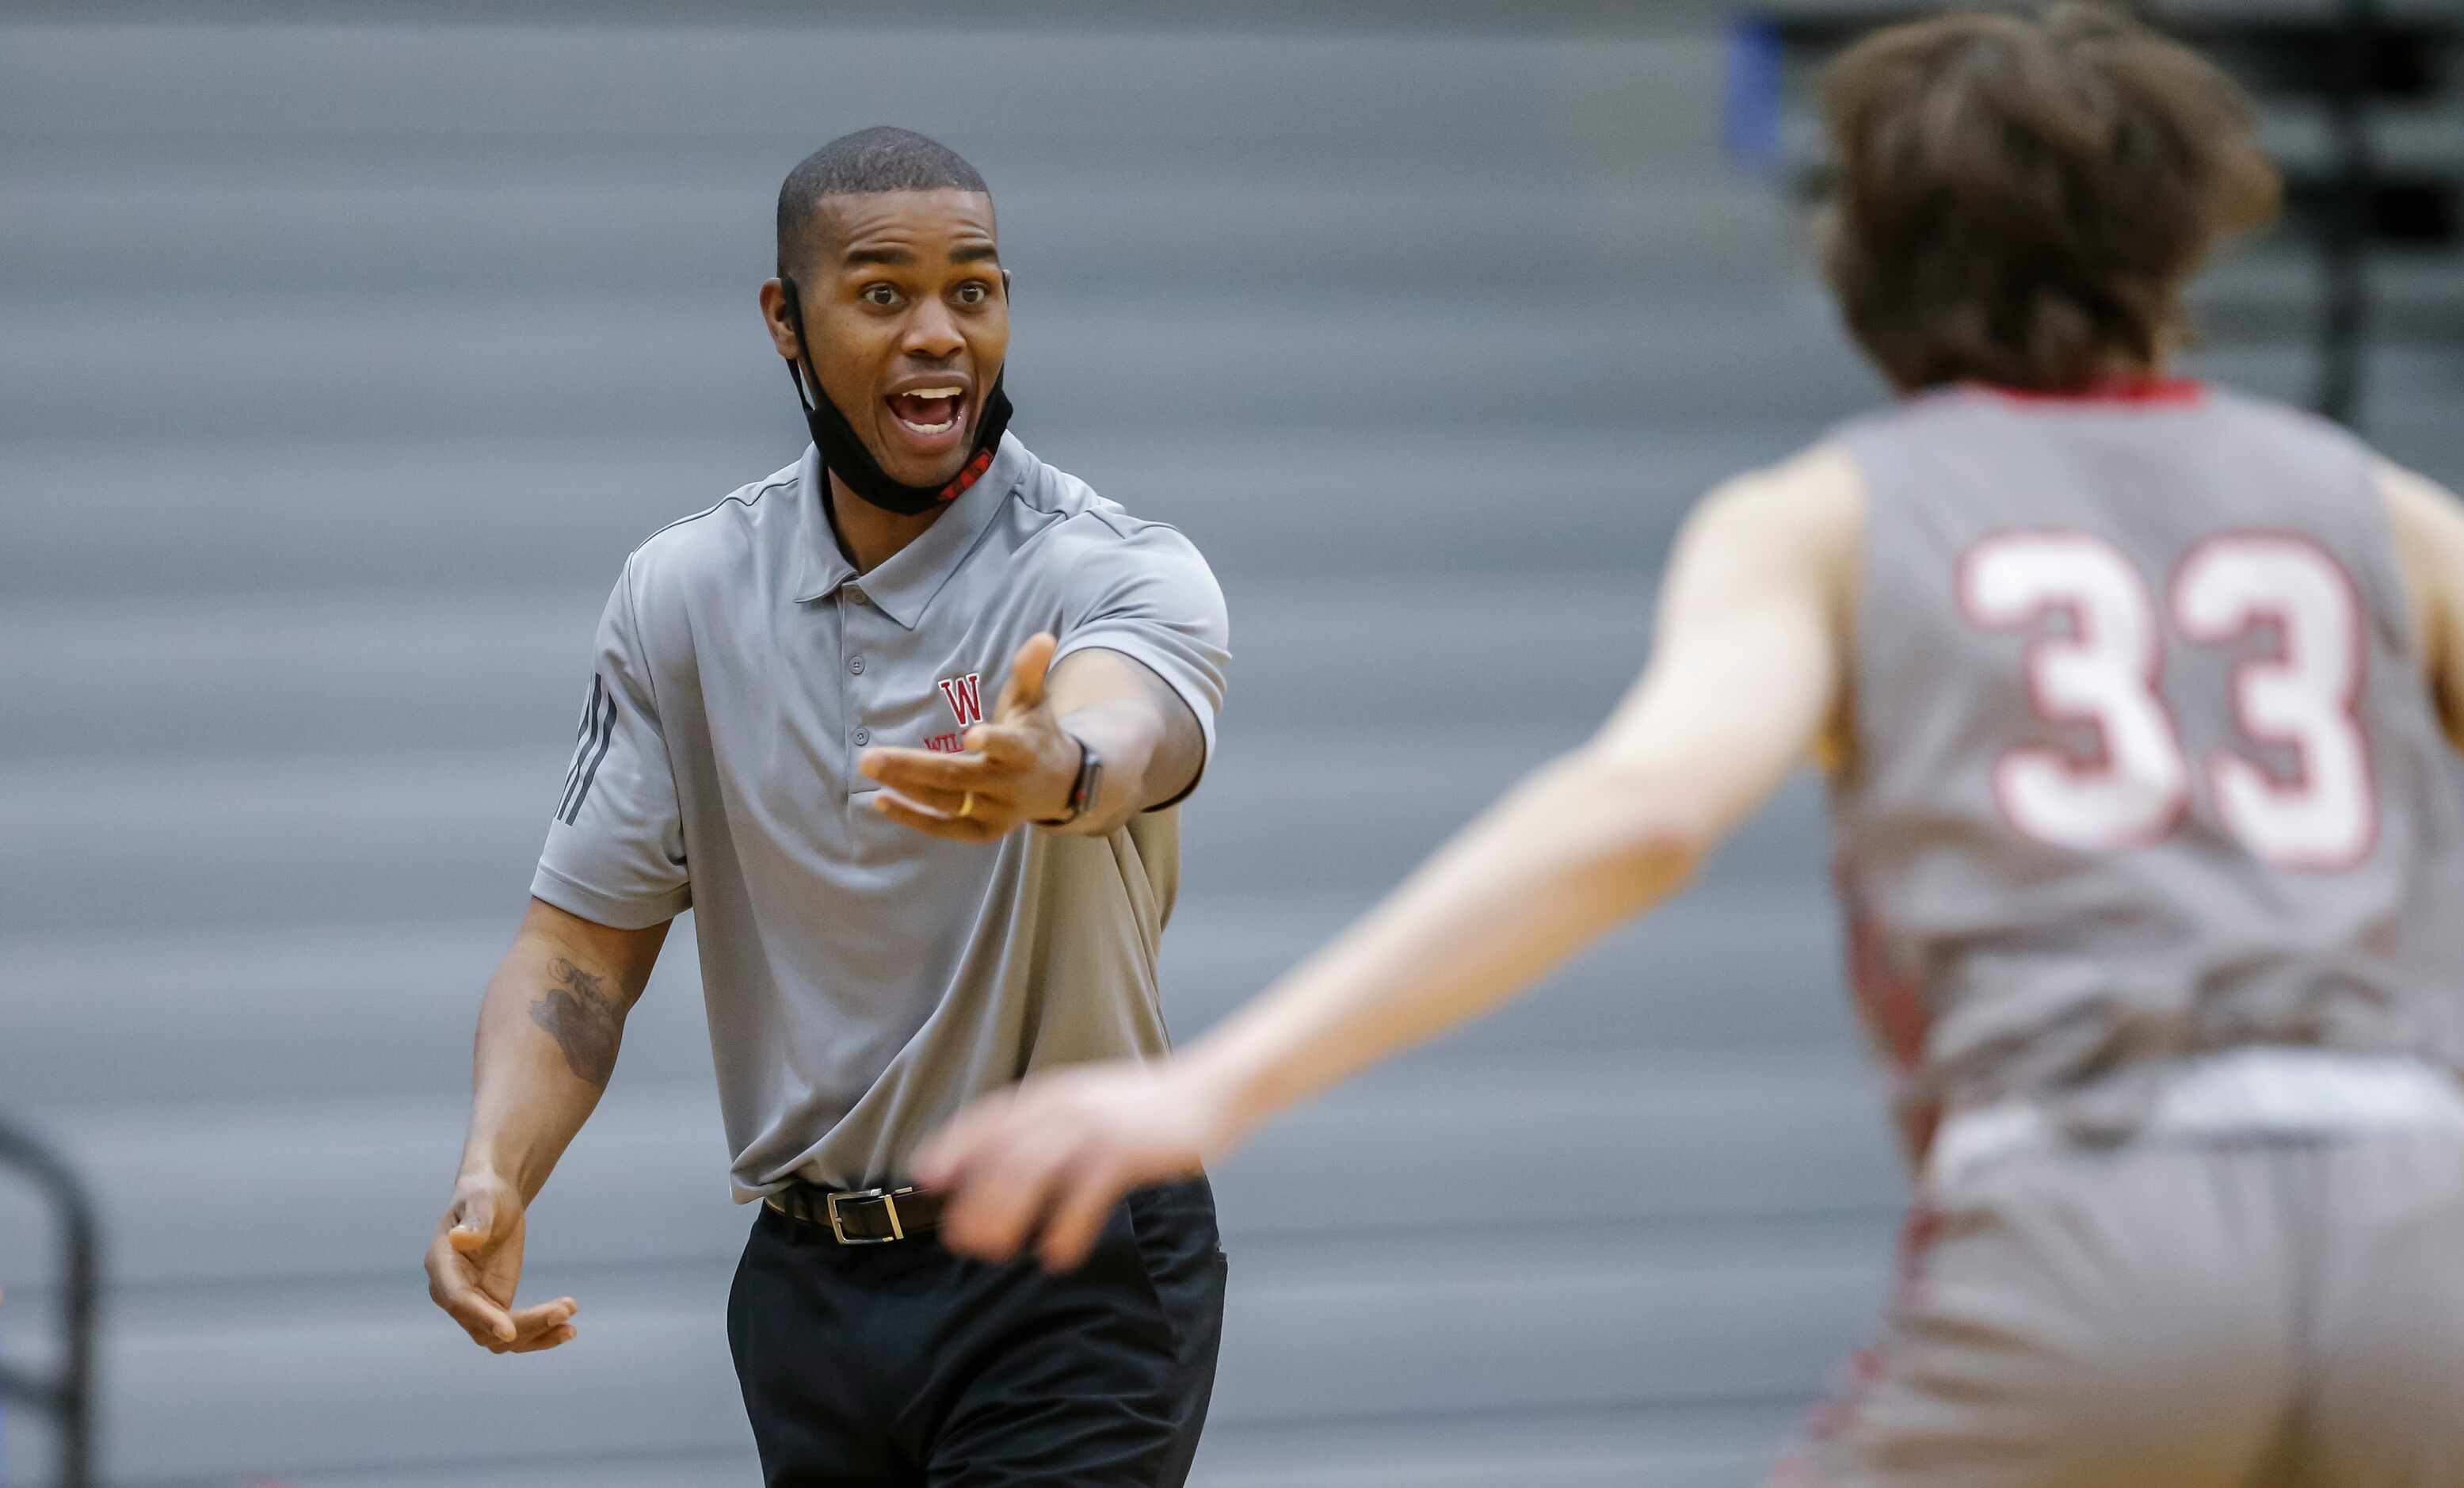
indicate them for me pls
(2159, 392)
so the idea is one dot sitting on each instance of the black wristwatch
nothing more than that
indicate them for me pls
(1082, 790)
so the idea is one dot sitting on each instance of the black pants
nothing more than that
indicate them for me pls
(904, 1364)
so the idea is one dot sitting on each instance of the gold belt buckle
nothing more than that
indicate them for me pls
(890, 1206)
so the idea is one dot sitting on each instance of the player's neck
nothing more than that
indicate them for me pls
(869, 535)
(2126, 371)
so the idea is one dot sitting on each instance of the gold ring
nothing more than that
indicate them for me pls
(967, 807)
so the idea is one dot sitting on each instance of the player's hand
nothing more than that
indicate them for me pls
(474, 1262)
(1019, 768)
(1045, 1162)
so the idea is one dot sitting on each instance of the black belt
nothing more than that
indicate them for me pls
(867, 1216)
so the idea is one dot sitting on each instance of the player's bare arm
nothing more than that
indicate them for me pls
(2428, 521)
(549, 1028)
(1024, 765)
(1745, 680)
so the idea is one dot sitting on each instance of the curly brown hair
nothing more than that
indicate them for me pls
(2021, 199)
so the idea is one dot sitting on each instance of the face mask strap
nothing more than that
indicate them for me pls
(797, 368)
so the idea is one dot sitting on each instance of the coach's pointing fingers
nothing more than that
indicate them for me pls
(985, 823)
(924, 769)
(1016, 769)
(1023, 690)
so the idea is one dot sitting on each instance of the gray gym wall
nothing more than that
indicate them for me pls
(348, 349)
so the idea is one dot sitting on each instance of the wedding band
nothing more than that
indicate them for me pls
(967, 807)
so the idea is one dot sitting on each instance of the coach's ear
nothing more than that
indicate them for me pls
(781, 326)
(1006, 285)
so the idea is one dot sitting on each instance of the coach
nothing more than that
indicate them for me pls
(906, 736)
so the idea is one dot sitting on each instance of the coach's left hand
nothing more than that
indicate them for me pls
(1016, 769)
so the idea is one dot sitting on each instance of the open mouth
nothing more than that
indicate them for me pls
(929, 412)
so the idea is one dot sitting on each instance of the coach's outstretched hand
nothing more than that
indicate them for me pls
(1016, 769)
(476, 1262)
(1045, 1162)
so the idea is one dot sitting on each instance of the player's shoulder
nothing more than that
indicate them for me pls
(2426, 520)
(2276, 429)
(1818, 491)
(2409, 488)
(1800, 523)
(2284, 436)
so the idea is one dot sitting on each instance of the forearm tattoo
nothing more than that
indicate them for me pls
(584, 1021)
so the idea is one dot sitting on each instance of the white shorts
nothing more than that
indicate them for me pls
(2264, 1285)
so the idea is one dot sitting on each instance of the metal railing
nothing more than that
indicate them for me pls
(2345, 242)
(66, 1394)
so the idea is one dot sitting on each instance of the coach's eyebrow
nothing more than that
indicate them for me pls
(897, 257)
(974, 253)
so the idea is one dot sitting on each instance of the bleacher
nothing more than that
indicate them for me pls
(347, 358)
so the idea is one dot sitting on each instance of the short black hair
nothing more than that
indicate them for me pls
(880, 158)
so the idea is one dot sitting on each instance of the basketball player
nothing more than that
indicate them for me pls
(2132, 694)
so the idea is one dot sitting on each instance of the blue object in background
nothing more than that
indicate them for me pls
(1749, 124)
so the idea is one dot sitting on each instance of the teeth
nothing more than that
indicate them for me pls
(932, 393)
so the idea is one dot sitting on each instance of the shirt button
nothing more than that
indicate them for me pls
(855, 663)
(855, 595)
(862, 736)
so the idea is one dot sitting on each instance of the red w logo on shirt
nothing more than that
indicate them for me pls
(966, 699)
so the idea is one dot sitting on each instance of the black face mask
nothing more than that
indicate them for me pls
(845, 456)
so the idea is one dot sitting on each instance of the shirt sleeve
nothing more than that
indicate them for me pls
(1151, 596)
(615, 851)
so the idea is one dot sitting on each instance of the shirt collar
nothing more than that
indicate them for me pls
(902, 587)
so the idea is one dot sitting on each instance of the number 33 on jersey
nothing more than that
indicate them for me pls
(2097, 646)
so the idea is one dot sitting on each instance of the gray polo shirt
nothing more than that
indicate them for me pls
(865, 980)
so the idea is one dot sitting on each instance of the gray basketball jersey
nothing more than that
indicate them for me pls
(2144, 761)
